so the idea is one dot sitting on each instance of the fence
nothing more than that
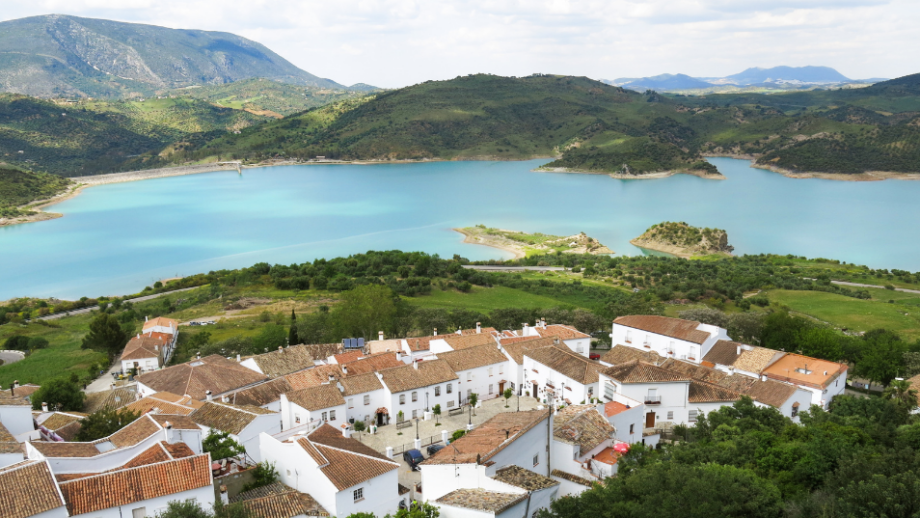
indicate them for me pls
(426, 441)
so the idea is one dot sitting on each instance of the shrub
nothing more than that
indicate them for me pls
(457, 434)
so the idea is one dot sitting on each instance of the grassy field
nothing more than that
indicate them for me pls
(62, 357)
(853, 314)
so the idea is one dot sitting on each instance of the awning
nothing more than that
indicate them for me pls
(382, 410)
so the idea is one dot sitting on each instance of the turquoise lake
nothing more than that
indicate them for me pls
(116, 239)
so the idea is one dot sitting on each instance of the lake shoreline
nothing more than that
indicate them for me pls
(645, 176)
(869, 176)
(470, 239)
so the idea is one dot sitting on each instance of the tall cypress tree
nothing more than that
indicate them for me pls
(293, 339)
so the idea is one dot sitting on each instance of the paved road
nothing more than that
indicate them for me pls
(858, 285)
(499, 268)
(87, 310)
(9, 358)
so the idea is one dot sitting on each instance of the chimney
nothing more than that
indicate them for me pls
(738, 350)
(436, 331)
(331, 378)
(207, 396)
(169, 432)
(138, 336)
(16, 384)
(225, 399)
(237, 357)
(380, 335)
(44, 406)
(345, 370)
(156, 347)
(763, 377)
(281, 349)
(146, 319)
(198, 356)
(478, 328)
(543, 322)
(223, 495)
(415, 364)
(112, 386)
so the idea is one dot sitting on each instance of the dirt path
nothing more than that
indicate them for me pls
(858, 285)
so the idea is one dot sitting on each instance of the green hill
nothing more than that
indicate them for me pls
(66, 56)
(19, 187)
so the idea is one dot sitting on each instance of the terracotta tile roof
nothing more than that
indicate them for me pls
(458, 342)
(349, 356)
(226, 417)
(373, 363)
(561, 332)
(318, 397)
(263, 393)
(694, 371)
(214, 373)
(24, 390)
(178, 450)
(703, 392)
(113, 399)
(674, 327)
(523, 478)
(571, 478)
(56, 420)
(613, 408)
(152, 455)
(293, 359)
(752, 359)
(161, 321)
(422, 343)
(324, 351)
(162, 403)
(582, 425)
(123, 487)
(431, 372)
(802, 370)
(314, 377)
(481, 500)
(473, 357)
(515, 347)
(624, 353)
(66, 449)
(8, 443)
(134, 432)
(144, 346)
(641, 372)
(279, 501)
(489, 438)
(773, 393)
(723, 352)
(567, 363)
(7, 400)
(178, 422)
(345, 462)
(28, 489)
(608, 456)
(361, 383)
(472, 331)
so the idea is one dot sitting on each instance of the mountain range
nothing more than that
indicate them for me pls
(782, 77)
(67, 56)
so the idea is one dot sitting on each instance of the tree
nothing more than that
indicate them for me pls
(60, 394)
(419, 510)
(104, 423)
(437, 413)
(37, 342)
(901, 393)
(262, 475)
(17, 343)
(366, 310)
(474, 398)
(221, 446)
(192, 509)
(882, 356)
(292, 332)
(507, 395)
(105, 335)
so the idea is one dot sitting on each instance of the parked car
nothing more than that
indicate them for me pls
(413, 458)
(434, 448)
(594, 356)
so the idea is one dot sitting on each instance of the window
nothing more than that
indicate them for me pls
(468, 392)
(414, 414)
(469, 376)
(450, 388)
(351, 402)
(414, 397)
(332, 415)
(490, 372)
(608, 391)
(324, 416)
(632, 428)
(491, 389)
(140, 512)
(691, 417)
(536, 460)
(451, 403)
(670, 415)
(628, 336)
(692, 353)
(367, 400)
(359, 494)
(296, 418)
(402, 399)
(437, 391)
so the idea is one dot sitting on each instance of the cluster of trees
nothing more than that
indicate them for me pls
(859, 459)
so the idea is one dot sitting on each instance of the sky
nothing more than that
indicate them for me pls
(393, 43)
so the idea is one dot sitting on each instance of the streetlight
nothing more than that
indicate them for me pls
(416, 428)
(471, 416)
(426, 400)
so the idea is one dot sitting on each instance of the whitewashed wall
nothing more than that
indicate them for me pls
(17, 419)
(203, 495)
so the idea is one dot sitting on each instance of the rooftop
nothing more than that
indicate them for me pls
(144, 346)
(372, 363)
(348, 356)
(694, 371)
(226, 417)
(263, 393)
(523, 478)
(277, 500)
(769, 392)
(314, 377)
(431, 372)
(473, 357)
(317, 398)
(608, 456)
(8, 443)
(703, 392)
(641, 372)
(624, 354)
(750, 359)
(458, 342)
(161, 321)
(802, 370)
(481, 500)
(558, 473)
(195, 378)
(28, 489)
(567, 363)
(165, 403)
(344, 461)
(686, 330)
(489, 438)
(361, 383)
(561, 332)
(613, 408)
(583, 426)
(276, 363)
(515, 347)
(113, 399)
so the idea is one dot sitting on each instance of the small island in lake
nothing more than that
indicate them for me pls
(682, 240)
(522, 244)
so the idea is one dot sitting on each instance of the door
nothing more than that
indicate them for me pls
(650, 420)
(501, 388)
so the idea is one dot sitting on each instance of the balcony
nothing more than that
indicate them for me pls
(652, 400)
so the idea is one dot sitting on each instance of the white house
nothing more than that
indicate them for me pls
(485, 503)
(11, 451)
(513, 349)
(737, 358)
(314, 406)
(284, 361)
(30, 490)
(823, 379)
(146, 352)
(472, 462)
(414, 389)
(789, 399)
(243, 423)
(669, 337)
(581, 434)
(161, 325)
(665, 393)
(16, 416)
(196, 378)
(626, 415)
(365, 399)
(342, 474)
(578, 342)
(482, 370)
(558, 376)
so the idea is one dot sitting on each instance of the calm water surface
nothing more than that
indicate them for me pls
(118, 238)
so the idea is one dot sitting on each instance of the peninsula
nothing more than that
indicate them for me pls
(682, 240)
(522, 244)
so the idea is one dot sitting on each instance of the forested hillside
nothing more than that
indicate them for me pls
(18, 188)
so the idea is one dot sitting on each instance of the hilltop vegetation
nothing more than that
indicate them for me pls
(682, 240)
(19, 188)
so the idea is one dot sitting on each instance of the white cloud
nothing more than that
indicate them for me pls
(397, 42)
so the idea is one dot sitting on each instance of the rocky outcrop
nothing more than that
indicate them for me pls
(683, 240)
